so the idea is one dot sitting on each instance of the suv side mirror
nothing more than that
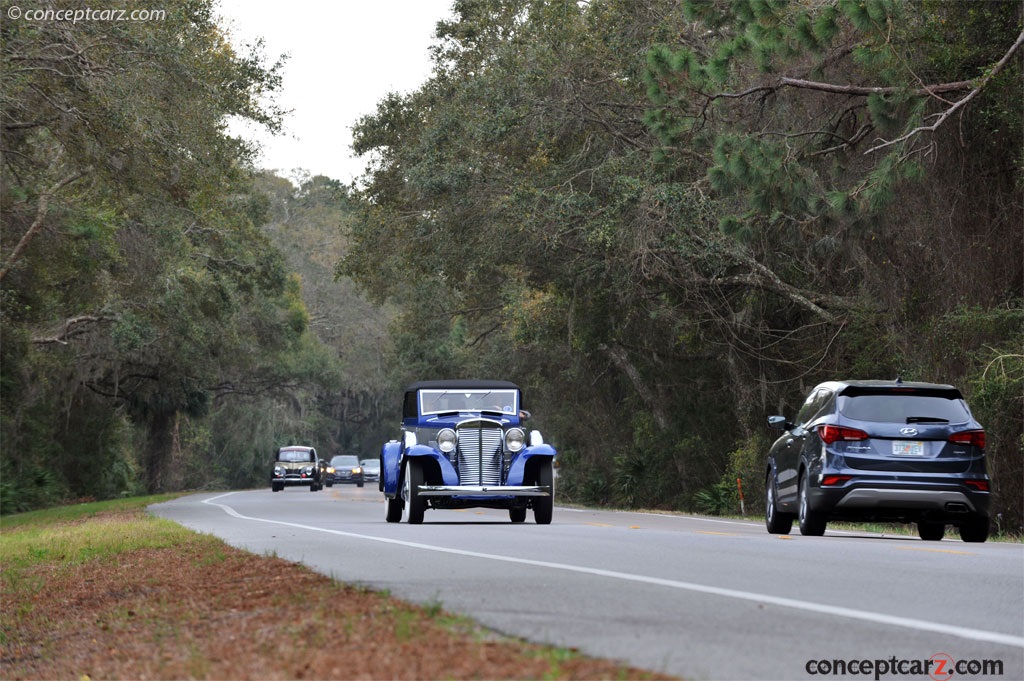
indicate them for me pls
(779, 423)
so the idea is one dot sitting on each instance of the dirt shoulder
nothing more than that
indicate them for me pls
(205, 610)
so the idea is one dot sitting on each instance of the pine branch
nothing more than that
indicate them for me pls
(959, 104)
(863, 91)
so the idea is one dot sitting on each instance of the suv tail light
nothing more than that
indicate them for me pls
(833, 480)
(979, 485)
(830, 434)
(974, 438)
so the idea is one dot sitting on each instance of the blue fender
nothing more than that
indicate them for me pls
(393, 457)
(448, 473)
(518, 468)
(390, 462)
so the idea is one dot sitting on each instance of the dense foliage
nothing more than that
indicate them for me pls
(668, 220)
(140, 300)
(664, 219)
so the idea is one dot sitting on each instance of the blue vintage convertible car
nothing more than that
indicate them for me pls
(463, 445)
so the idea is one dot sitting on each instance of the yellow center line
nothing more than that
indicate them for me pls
(954, 552)
(599, 525)
(720, 534)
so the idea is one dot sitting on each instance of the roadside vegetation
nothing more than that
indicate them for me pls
(665, 220)
(105, 591)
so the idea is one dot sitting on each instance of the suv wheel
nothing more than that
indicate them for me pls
(931, 531)
(812, 523)
(413, 479)
(775, 520)
(974, 529)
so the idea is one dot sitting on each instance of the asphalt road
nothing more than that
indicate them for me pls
(700, 598)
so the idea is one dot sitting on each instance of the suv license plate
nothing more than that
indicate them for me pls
(908, 448)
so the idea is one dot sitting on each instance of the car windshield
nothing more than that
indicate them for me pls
(904, 408)
(345, 462)
(297, 455)
(463, 399)
(372, 464)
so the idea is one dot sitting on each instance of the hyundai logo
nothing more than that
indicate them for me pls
(909, 432)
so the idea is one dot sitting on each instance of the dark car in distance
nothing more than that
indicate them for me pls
(346, 470)
(880, 451)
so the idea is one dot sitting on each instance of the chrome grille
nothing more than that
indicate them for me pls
(479, 452)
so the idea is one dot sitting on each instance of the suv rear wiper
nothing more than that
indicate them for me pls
(926, 419)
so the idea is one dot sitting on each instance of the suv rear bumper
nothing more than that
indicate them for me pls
(874, 497)
(902, 502)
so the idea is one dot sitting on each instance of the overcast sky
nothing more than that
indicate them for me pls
(345, 56)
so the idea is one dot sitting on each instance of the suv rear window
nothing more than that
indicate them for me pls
(909, 407)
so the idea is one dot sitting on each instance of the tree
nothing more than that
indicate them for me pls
(515, 219)
(666, 207)
(868, 155)
(358, 406)
(136, 285)
(827, 83)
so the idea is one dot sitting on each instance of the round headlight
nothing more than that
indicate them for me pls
(278, 470)
(446, 440)
(515, 439)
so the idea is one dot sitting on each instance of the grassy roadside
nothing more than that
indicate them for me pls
(103, 590)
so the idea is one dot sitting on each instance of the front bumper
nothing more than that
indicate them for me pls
(488, 491)
(288, 481)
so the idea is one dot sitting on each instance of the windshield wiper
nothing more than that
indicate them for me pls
(926, 419)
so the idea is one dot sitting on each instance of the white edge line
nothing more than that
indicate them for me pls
(744, 523)
(837, 611)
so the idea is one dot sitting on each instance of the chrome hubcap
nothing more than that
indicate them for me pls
(405, 485)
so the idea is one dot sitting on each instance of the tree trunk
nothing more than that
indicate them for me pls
(159, 444)
(621, 360)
